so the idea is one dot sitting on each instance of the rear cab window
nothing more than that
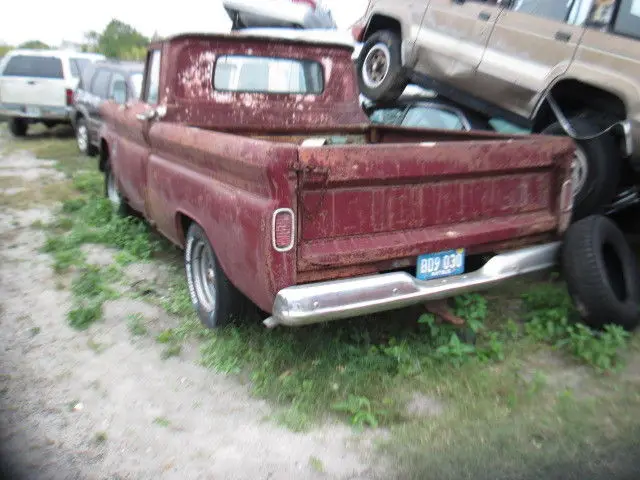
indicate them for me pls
(253, 74)
(33, 66)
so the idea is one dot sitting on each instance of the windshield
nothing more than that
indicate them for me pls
(136, 80)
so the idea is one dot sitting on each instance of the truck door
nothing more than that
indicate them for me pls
(452, 39)
(131, 159)
(532, 43)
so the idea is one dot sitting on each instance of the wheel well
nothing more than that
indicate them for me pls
(573, 96)
(381, 22)
(104, 154)
(183, 222)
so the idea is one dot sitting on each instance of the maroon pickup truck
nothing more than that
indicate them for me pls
(254, 156)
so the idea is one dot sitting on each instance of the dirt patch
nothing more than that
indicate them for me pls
(103, 404)
(424, 406)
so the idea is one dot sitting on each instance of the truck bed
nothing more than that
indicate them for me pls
(364, 201)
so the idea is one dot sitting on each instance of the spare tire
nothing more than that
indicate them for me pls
(601, 272)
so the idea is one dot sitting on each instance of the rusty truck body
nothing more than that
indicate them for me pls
(254, 155)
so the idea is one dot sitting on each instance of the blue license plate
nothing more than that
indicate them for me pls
(441, 264)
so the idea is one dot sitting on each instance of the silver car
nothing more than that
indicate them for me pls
(306, 14)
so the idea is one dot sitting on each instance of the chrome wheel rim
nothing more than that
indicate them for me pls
(82, 137)
(204, 277)
(579, 170)
(112, 190)
(376, 65)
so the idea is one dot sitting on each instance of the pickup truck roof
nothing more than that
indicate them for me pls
(191, 61)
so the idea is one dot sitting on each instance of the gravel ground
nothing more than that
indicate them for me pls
(101, 405)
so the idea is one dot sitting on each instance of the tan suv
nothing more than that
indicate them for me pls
(554, 66)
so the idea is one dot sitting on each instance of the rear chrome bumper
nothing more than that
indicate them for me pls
(339, 299)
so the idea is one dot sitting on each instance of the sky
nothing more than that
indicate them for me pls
(53, 22)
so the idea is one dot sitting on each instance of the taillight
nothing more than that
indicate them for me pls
(357, 30)
(283, 230)
(566, 205)
(69, 93)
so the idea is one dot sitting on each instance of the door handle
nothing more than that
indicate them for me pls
(31, 82)
(484, 16)
(148, 115)
(155, 113)
(563, 36)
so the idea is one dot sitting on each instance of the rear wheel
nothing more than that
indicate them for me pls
(83, 139)
(601, 272)
(380, 73)
(18, 127)
(215, 299)
(596, 165)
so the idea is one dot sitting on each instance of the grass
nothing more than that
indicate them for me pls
(136, 325)
(162, 421)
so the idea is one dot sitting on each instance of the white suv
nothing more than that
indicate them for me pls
(38, 85)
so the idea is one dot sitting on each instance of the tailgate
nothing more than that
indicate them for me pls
(33, 91)
(369, 204)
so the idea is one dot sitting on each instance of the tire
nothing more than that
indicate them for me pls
(216, 301)
(112, 192)
(601, 272)
(601, 157)
(380, 86)
(83, 138)
(18, 127)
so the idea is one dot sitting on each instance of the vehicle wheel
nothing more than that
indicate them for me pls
(18, 127)
(83, 139)
(596, 166)
(380, 73)
(112, 192)
(601, 272)
(215, 299)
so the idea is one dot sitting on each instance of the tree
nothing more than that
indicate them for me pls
(119, 40)
(4, 49)
(35, 45)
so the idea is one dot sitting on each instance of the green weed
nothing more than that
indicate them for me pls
(549, 321)
(162, 421)
(136, 325)
(90, 290)
(361, 412)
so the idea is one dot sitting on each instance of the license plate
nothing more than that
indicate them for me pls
(32, 111)
(441, 264)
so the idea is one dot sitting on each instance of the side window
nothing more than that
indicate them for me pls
(77, 66)
(152, 82)
(628, 19)
(100, 83)
(118, 89)
(557, 10)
